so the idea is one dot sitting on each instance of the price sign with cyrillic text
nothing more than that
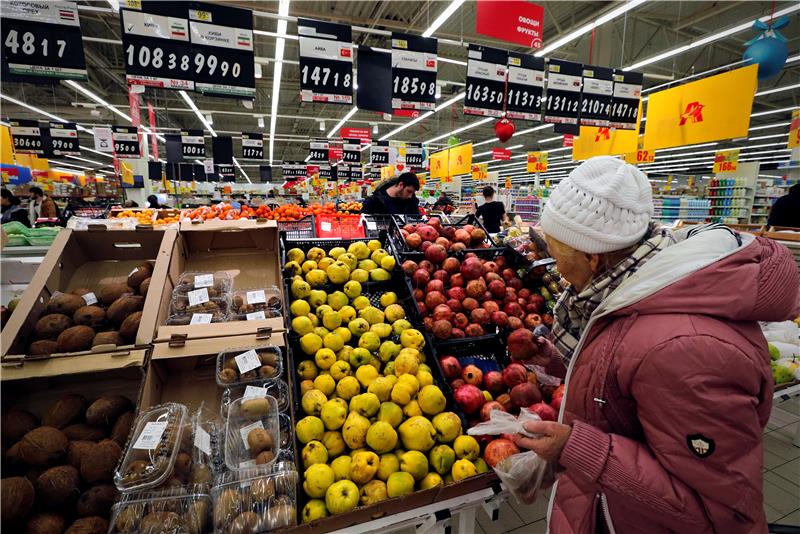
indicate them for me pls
(126, 142)
(563, 92)
(414, 64)
(598, 88)
(525, 87)
(326, 62)
(486, 81)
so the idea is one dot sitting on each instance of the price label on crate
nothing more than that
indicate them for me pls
(598, 88)
(254, 392)
(255, 316)
(202, 440)
(245, 430)
(247, 361)
(150, 436)
(193, 144)
(326, 62)
(89, 298)
(198, 296)
(203, 280)
(256, 297)
(414, 63)
(486, 81)
(252, 145)
(525, 87)
(201, 318)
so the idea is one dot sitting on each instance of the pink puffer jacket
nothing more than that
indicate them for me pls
(668, 394)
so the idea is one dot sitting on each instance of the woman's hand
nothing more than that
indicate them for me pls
(553, 437)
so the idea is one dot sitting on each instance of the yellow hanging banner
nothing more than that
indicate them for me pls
(794, 129)
(537, 161)
(508, 182)
(726, 161)
(460, 159)
(641, 155)
(602, 141)
(440, 164)
(706, 110)
(6, 146)
(127, 173)
(387, 172)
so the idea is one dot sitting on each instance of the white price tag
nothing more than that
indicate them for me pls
(135, 269)
(198, 296)
(326, 226)
(256, 297)
(202, 440)
(254, 392)
(90, 298)
(372, 225)
(247, 361)
(151, 435)
(245, 465)
(245, 430)
(204, 280)
(201, 318)
(255, 316)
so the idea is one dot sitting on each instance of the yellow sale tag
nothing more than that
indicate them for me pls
(641, 155)
(726, 161)
(794, 130)
(710, 109)
(537, 161)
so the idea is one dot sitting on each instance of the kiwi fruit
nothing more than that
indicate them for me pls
(245, 523)
(194, 518)
(281, 513)
(139, 275)
(99, 462)
(108, 338)
(65, 303)
(88, 525)
(144, 287)
(127, 521)
(65, 410)
(50, 326)
(160, 523)
(45, 523)
(108, 293)
(123, 307)
(81, 291)
(75, 339)
(183, 465)
(43, 347)
(265, 457)
(130, 326)
(259, 440)
(254, 408)
(93, 316)
(228, 376)
(58, 486)
(201, 474)
(16, 500)
(262, 489)
(84, 432)
(105, 410)
(77, 452)
(15, 423)
(228, 504)
(97, 500)
(267, 371)
(122, 428)
(268, 358)
(42, 446)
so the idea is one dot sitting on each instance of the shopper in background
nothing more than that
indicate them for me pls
(444, 203)
(41, 206)
(786, 210)
(668, 384)
(12, 211)
(152, 202)
(491, 211)
(396, 196)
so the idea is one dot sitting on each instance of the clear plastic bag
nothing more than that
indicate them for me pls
(256, 500)
(174, 512)
(524, 473)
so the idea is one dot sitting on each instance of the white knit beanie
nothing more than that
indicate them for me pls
(603, 205)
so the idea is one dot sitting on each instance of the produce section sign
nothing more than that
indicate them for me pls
(563, 92)
(41, 41)
(598, 89)
(362, 134)
(193, 144)
(486, 81)
(501, 153)
(525, 87)
(627, 99)
(326, 62)
(414, 64)
(514, 21)
(27, 136)
(726, 161)
(710, 109)
(293, 171)
(126, 142)
(252, 145)
(794, 130)
(63, 139)
(537, 162)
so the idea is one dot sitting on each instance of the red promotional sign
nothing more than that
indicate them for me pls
(151, 116)
(410, 113)
(335, 153)
(568, 139)
(515, 21)
(311, 170)
(356, 133)
(501, 153)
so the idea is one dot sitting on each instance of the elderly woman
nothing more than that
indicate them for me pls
(668, 384)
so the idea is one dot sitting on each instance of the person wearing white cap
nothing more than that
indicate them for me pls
(668, 384)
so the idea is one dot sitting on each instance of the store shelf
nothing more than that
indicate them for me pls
(730, 187)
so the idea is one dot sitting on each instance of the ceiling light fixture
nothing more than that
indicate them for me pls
(778, 89)
(454, 5)
(86, 160)
(260, 122)
(341, 122)
(280, 44)
(462, 129)
(236, 162)
(375, 129)
(191, 104)
(97, 99)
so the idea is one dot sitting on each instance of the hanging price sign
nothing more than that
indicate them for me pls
(537, 161)
(563, 92)
(525, 87)
(226, 173)
(126, 142)
(318, 150)
(293, 171)
(414, 64)
(598, 88)
(414, 156)
(41, 41)
(63, 139)
(480, 171)
(379, 153)
(27, 137)
(193, 144)
(486, 81)
(726, 161)
(626, 99)
(252, 145)
(351, 151)
(641, 155)
(501, 153)
(326, 62)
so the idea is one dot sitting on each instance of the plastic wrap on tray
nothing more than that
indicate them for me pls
(256, 501)
(255, 304)
(152, 450)
(252, 433)
(198, 307)
(174, 512)
(248, 365)
(275, 387)
(217, 283)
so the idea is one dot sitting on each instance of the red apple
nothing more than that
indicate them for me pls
(498, 450)
(451, 368)
(471, 374)
(469, 398)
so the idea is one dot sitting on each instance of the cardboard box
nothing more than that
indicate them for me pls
(248, 250)
(87, 259)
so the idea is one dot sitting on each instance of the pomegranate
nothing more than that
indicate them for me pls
(479, 316)
(477, 236)
(474, 330)
(524, 293)
(497, 288)
(500, 318)
(422, 309)
(442, 329)
(514, 309)
(490, 306)
(413, 240)
(410, 228)
(498, 450)
(490, 267)
(435, 253)
(505, 401)
(472, 269)
(508, 274)
(457, 280)
(424, 246)
(469, 398)
(525, 394)
(457, 247)
(420, 278)
(514, 375)
(469, 304)
(454, 304)
(476, 288)
(515, 323)
(460, 321)
(409, 267)
(515, 282)
(434, 285)
(442, 312)
(462, 236)
(547, 319)
(491, 277)
(427, 232)
(451, 265)
(458, 293)
(522, 345)
(436, 223)
(544, 411)
(493, 382)
(428, 266)
(532, 320)
(537, 301)
(433, 299)
(442, 275)
(487, 408)
(451, 368)
(471, 374)
(457, 333)
(427, 323)
(419, 295)
(457, 383)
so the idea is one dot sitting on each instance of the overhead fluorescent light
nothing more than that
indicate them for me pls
(767, 126)
(462, 129)
(236, 162)
(32, 108)
(586, 28)
(191, 104)
(67, 171)
(778, 89)
(711, 38)
(106, 154)
(86, 160)
(280, 43)
(522, 132)
(423, 116)
(341, 122)
(770, 112)
(454, 5)
(766, 137)
(97, 99)
(114, 4)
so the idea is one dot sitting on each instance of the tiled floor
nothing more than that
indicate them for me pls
(781, 483)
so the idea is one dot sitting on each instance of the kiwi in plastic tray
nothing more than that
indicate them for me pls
(173, 512)
(255, 501)
(218, 283)
(274, 387)
(238, 366)
(251, 304)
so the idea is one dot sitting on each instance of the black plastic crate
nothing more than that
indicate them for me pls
(375, 224)
(405, 253)
(297, 230)
(327, 244)
(488, 353)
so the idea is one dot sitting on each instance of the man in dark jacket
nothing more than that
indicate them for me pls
(397, 196)
(12, 211)
(786, 210)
